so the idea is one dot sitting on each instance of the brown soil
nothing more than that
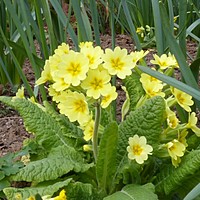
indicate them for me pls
(12, 131)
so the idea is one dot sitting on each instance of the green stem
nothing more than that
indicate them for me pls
(96, 126)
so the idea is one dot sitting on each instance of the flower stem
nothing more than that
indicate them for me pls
(96, 126)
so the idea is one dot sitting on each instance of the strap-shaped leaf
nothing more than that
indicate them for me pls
(134, 192)
(171, 178)
(60, 161)
(48, 131)
(134, 88)
(11, 193)
(106, 160)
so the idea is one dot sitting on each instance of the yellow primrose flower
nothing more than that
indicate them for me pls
(175, 149)
(175, 18)
(31, 198)
(183, 99)
(140, 31)
(25, 159)
(59, 83)
(172, 57)
(85, 45)
(96, 83)
(94, 55)
(88, 130)
(172, 120)
(137, 55)
(153, 89)
(62, 49)
(138, 150)
(146, 79)
(192, 123)
(117, 62)
(19, 93)
(45, 75)
(108, 96)
(182, 137)
(176, 162)
(73, 68)
(148, 28)
(18, 196)
(87, 147)
(54, 61)
(53, 93)
(163, 61)
(75, 107)
(62, 196)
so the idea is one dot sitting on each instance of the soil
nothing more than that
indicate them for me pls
(12, 131)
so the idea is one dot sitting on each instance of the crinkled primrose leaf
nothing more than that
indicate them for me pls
(48, 131)
(60, 161)
(24, 193)
(145, 121)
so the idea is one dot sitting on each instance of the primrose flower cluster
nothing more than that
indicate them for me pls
(153, 87)
(81, 79)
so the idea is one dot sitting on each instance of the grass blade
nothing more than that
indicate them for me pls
(171, 15)
(158, 27)
(95, 23)
(65, 21)
(23, 77)
(42, 38)
(176, 50)
(2, 79)
(131, 25)
(182, 25)
(47, 15)
(16, 19)
(81, 25)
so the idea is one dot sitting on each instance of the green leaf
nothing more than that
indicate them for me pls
(134, 192)
(49, 133)
(81, 191)
(4, 183)
(106, 159)
(158, 27)
(60, 161)
(176, 50)
(95, 22)
(65, 21)
(145, 121)
(68, 128)
(131, 25)
(195, 65)
(25, 193)
(134, 88)
(171, 178)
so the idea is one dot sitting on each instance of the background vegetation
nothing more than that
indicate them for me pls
(167, 26)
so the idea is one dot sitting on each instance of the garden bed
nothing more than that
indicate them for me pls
(12, 131)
